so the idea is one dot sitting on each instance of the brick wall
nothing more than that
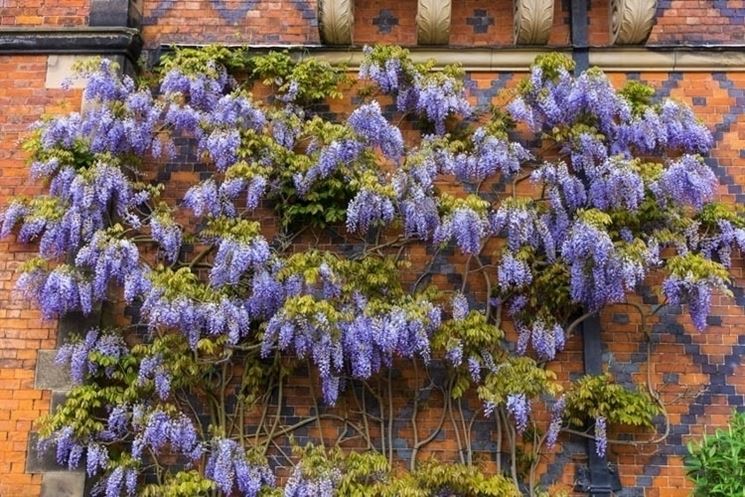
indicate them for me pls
(44, 12)
(700, 376)
(23, 99)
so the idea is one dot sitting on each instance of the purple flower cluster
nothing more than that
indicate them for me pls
(460, 307)
(68, 451)
(554, 427)
(234, 257)
(229, 468)
(57, 292)
(520, 224)
(686, 181)
(323, 485)
(77, 354)
(599, 274)
(152, 368)
(158, 430)
(109, 259)
(97, 458)
(489, 156)
(673, 126)
(518, 406)
(203, 91)
(365, 344)
(168, 236)
(226, 316)
(547, 340)
(120, 479)
(728, 238)
(601, 436)
(616, 185)
(370, 124)
(434, 97)
(513, 272)
(336, 154)
(369, 208)
(467, 226)
(695, 293)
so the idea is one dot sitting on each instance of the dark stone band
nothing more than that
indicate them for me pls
(82, 40)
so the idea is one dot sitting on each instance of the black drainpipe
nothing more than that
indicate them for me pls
(599, 471)
(579, 35)
(601, 480)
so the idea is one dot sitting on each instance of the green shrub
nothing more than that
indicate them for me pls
(716, 464)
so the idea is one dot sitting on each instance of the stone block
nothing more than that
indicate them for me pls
(63, 484)
(49, 374)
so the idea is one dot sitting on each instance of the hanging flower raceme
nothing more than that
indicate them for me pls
(692, 281)
(616, 185)
(730, 236)
(330, 158)
(547, 340)
(490, 155)
(83, 357)
(153, 369)
(554, 427)
(686, 181)
(240, 247)
(518, 221)
(465, 220)
(369, 123)
(513, 272)
(320, 485)
(167, 234)
(229, 467)
(109, 259)
(158, 431)
(519, 408)
(601, 436)
(600, 273)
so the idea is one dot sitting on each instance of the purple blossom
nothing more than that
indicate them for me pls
(547, 340)
(235, 257)
(369, 208)
(616, 186)
(97, 458)
(686, 181)
(554, 427)
(368, 122)
(229, 468)
(489, 156)
(161, 430)
(695, 293)
(519, 408)
(460, 307)
(601, 436)
(513, 272)
(466, 226)
(168, 235)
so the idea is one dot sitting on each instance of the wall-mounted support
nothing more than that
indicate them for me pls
(631, 21)
(433, 22)
(335, 21)
(533, 21)
(601, 480)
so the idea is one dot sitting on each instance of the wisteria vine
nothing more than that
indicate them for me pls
(233, 293)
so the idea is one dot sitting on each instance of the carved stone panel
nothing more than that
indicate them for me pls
(631, 20)
(335, 21)
(533, 21)
(433, 22)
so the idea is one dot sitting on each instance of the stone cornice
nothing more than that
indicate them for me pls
(79, 40)
(627, 59)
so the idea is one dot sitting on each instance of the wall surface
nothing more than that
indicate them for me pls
(701, 376)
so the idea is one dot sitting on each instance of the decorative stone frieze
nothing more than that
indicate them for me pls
(335, 21)
(631, 21)
(433, 22)
(533, 21)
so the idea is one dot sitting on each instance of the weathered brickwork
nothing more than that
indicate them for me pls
(44, 12)
(700, 376)
(23, 99)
